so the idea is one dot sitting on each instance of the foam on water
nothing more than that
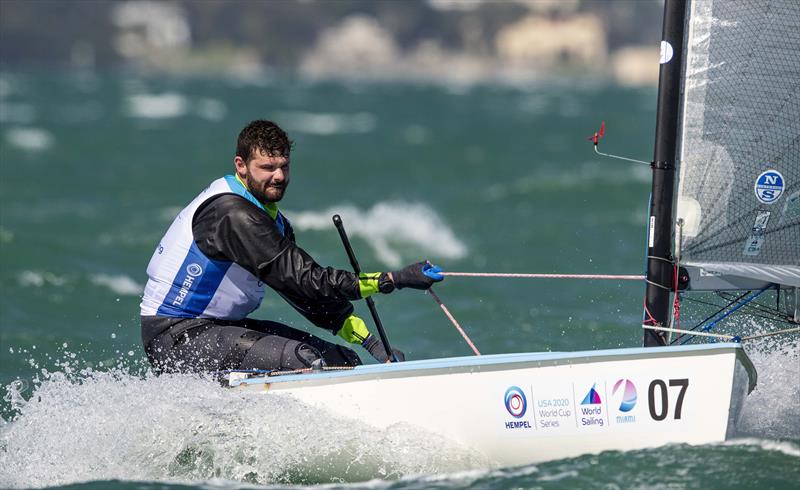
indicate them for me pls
(325, 124)
(211, 109)
(157, 106)
(772, 410)
(785, 447)
(28, 278)
(389, 227)
(84, 425)
(119, 284)
(30, 138)
(181, 428)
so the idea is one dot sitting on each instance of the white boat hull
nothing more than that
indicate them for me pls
(526, 408)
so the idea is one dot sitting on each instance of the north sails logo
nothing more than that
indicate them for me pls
(769, 186)
(193, 270)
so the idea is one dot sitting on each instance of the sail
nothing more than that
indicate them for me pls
(739, 156)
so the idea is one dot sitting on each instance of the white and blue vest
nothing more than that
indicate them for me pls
(185, 283)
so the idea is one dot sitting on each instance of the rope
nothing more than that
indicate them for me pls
(734, 338)
(713, 314)
(657, 285)
(621, 277)
(310, 370)
(453, 321)
(689, 332)
(676, 305)
(770, 334)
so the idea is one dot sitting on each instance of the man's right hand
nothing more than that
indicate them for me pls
(421, 275)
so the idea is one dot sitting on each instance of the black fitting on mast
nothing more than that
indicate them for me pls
(662, 165)
(660, 222)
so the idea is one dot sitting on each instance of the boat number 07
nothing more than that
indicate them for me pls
(657, 398)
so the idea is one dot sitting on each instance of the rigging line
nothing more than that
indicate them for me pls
(734, 309)
(676, 304)
(713, 315)
(453, 320)
(770, 334)
(772, 312)
(689, 332)
(701, 244)
(734, 338)
(775, 316)
(657, 285)
(756, 304)
(619, 157)
(649, 320)
(309, 370)
(668, 261)
(621, 277)
(761, 310)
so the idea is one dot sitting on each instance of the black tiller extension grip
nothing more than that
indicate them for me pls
(337, 221)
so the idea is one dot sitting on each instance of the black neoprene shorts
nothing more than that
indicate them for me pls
(207, 345)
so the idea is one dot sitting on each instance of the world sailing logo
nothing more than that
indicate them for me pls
(769, 186)
(592, 414)
(516, 404)
(592, 398)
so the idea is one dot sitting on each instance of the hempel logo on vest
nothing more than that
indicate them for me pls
(192, 271)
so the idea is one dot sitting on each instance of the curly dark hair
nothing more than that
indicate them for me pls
(264, 136)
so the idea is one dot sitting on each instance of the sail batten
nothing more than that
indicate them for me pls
(739, 158)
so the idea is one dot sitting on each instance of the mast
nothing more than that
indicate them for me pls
(660, 222)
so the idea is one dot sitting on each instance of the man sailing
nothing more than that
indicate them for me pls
(211, 267)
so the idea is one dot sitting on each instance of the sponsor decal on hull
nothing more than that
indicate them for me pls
(516, 404)
(554, 408)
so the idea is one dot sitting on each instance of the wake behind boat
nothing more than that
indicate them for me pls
(729, 119)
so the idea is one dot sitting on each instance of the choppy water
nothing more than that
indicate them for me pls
(94, 167)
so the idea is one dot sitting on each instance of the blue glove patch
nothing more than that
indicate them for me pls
(432, 271)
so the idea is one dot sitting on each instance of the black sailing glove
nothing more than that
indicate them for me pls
(421, 275)
(375, 347)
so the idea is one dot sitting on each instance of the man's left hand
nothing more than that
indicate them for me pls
(375, 347)
(421, 275)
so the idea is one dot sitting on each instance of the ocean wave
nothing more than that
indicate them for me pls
(170, 105)
(17, 113)
(157, 106)
(38, 279)
(784, 447)
(6, 88)
(6, 235)
(210, 109)
(586, 174)
(389, 226)
(119, 284)
(772, 409)
(30, 139)
(181, 428)
(326, 124)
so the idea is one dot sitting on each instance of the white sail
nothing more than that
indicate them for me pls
(739, 158)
